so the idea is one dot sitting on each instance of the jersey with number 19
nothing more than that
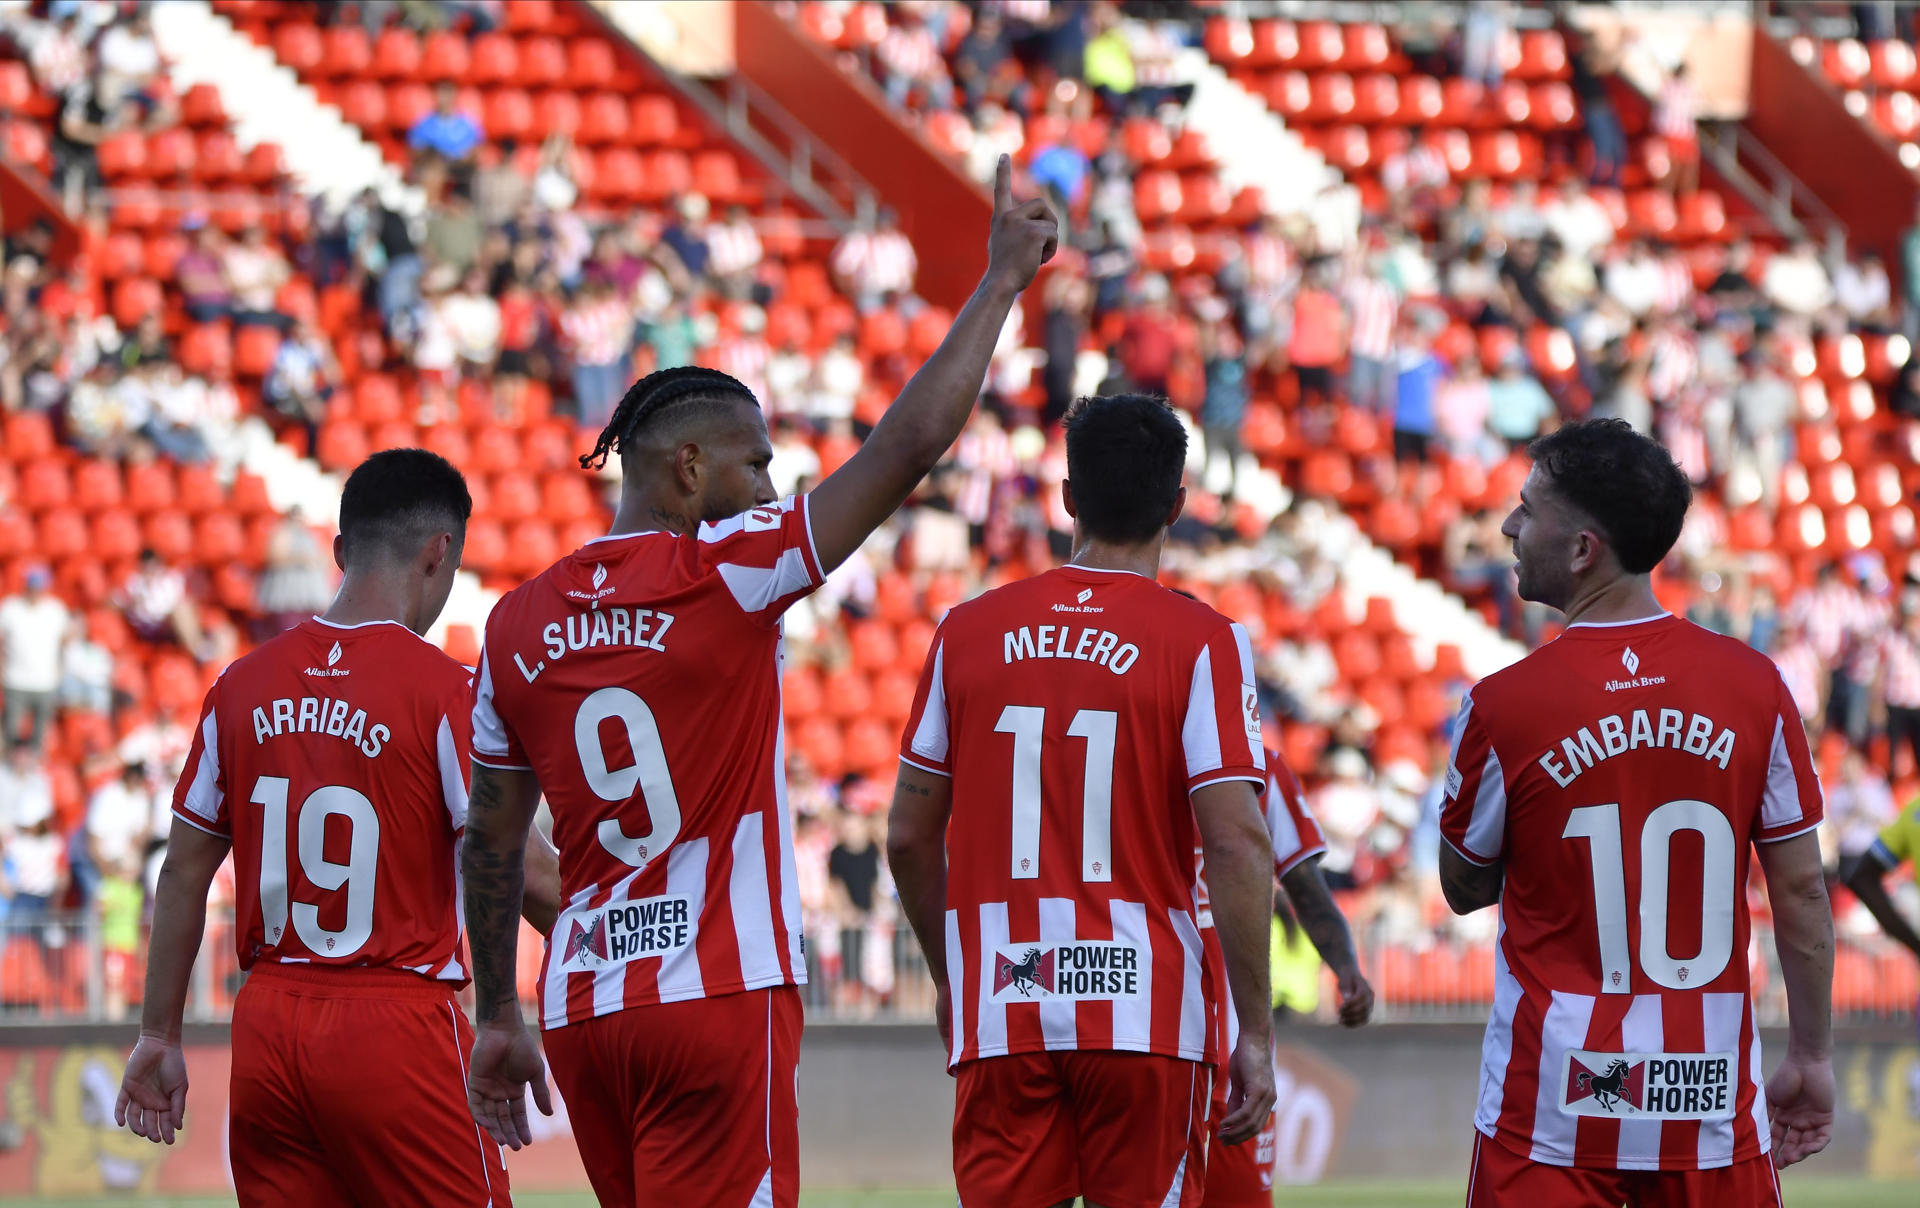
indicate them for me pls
(1076, 711)
(639, 679)
(1623, 773)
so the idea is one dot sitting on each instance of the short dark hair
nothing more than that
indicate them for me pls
(394, 498)
(1627, 483)
(1125, 455)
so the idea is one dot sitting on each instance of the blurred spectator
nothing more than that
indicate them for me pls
(119, 815)
(1633, 279)
(255, 271)
(1319, 337)
(1107, 66)
(1483, 35)
(673, 336)
(1417, 377)
(436, 360)
(1479, 557)
(853, 870)
(1061, 168)
(1764, 407)
(1796, 281)
(297, 581)
(120, 896)
(302, 380)
(58, 53)
(1223, 407)
(734, 253)
(686, 236)
(1067, 300)
(26, 792)
(1800, 668)
(979, 57)
(1899, 682)
(1864, 293)
(453, 233)
(447, 131)
(86, 120)
(1150, 338)
(1346, 808)
(86, 672)
(1593, 66)
(155, 602)
(1734, 290)
(1518, 405)
(1829, 612)
(1675, 119)
(1910, 279)
(201, 272)
(875, 263)
(839, 377)
(598, 326)
(473, 321)
(32, 625)
(33, 859)
(1578, 221)
(1414, 174)
(1372, 314)
(1859, 804)
(1461, 411)
(909, 59)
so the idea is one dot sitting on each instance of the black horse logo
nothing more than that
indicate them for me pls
(1022, 975)
(1607, 1089)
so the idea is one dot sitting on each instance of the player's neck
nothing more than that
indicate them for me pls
(645, 515)
(1627, 598)
(363, 599)
(1142, 560)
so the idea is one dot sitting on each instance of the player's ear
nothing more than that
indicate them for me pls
(340, 551)
(1179, 505)
(439, 548)
(1066, 498)
(689, 467)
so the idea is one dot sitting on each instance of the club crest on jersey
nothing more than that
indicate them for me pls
(1657, 1086)
(1070, 972)
(620, 932)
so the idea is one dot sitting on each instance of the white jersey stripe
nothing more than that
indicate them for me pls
(686, 875)
(1256, 744)
(204, 795)
(1497, 1050)
(1565, 1027)
(1487, 832)
(1756, 1072)
(930, 739)
(755, 588)
(489, 732)
(993, 1016)
(1193, 1003)
(753, 924)
(789, 921)
(1722, 1016)
(1200, 733)
(609, 981)
(1133, 1017)
(1642, 1030)
(553, 997)
(1780, 806)
(453, 774)
(1173, 1197)
(1059, 1021)
(956, 983)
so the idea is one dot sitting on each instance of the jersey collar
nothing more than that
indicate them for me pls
(1658, 616)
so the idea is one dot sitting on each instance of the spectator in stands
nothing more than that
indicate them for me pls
(854, 872)
(86, 672)
(191, 417)
(909, 59)
(128, 60)
(1898, 683)
(1519, 407)
(1107, 65)
(1859, 804)
(1522, 217)
(1067, 299)
(1796, 282)
(1474, 284)
(1223, 405)
(453, 232)
(255, 271)
(875, 263)
(1061, 168)
(1764, 406)
(473, 320)
(32, 625)
(1414, 175)
(1461, 411)
(1863, 292)
(1110, 264)
(673, 336)
(1151, 337)
(1675, 119)
(26, 792)
(598, 326)
(155, 602)
(1483, 36)
(297, 579)
(117, 829)
(686, 237)
(1593, 65)
(201, 272)
(1372, 311)
(1346, 808)
(1910, 279)
(86, 120)
(980, 56)
(447, 131)
(1478, 557)
(1633, 279)
(33, 860)
(734, 253)
(1800, 668)
(302, 380)
(120, 898)
(1417, 377)
(1580, 223)
(839, 378)
(1735, 293)
(57, 53)
(1319, 336)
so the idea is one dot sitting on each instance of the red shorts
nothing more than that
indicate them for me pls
(1240, 1176)
(350, 1087)
(1502, 1178)
(1125, 1130)
(687, 1103)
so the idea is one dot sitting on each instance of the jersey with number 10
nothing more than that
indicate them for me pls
(335, 760)
(1076, 711)
(638, 678)
(1623, 773)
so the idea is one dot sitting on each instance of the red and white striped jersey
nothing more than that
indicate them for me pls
(638, 678)
(1373, 309)
(1623, 773)
(1075, 712)
(334, 758)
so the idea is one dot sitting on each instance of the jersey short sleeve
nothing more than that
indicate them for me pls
(925, 744)
(1791, 804)
(453, 747)
(1220, 733)
(765, 556)
(200, 795)
(1290, 824)
(493, 741)
(1473, 815)
(1899, 841)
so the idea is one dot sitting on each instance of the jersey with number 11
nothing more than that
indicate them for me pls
(638, 678)
(335, 760)
(1075, 712)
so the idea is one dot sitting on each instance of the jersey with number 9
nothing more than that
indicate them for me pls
(335, 760)
(638, 678)
(1623, 773)
(1075, 712)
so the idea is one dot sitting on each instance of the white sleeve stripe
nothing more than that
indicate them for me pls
(500, 767)
(930, 736)
(756, 588)
(453, 783)
(1283, 868)
(1280, 827)
(1200, 733)
(203, 796)
(1487, 829)
(1224, 780)
(489, 732)
(1256, 745)
(923, 767)
(1468, 856)
(205, 830)
(806, 526)
(1780, 805)
(1811, 826)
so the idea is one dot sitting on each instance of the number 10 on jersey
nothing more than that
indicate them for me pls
(1027, 724)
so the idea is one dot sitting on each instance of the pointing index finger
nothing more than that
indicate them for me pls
(1002, 186)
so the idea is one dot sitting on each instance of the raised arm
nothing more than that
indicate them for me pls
(493, 864)
(917, 856)
(1327, 928)
(1239, 862)
(1800, 1094)
(927, 417)
(153, 1094)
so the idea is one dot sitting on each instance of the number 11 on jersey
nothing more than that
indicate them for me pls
(1027, 724)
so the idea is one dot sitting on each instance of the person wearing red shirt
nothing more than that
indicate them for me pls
(331, 763)
(636, 683)
(1609, 791)
(1075, 737)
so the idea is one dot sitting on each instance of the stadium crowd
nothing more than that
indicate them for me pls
(510, 285)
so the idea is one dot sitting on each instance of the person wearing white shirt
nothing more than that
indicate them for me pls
(838, 378)
(1577, 220)
(31, 626)
(1863, 290)
(1634, 280)
(26, 794)
(1796, 281)
(86, 672)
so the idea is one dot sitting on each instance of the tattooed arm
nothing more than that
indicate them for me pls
(917, 857)
(493, 864)
(1320, 917)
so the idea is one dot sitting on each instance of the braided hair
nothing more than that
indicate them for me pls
(658, 392)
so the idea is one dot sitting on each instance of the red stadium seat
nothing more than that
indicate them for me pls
(542, 61)
(217, 157)
(509, 114)
(495, 60)
(200, 106)
(444, 56)
(603, 119)
(396, 55)
(557, 112)
(348, 51)
(653, 119)
(298, 45)
(590, 62)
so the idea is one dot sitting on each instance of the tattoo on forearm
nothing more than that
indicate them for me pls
(495, 880)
